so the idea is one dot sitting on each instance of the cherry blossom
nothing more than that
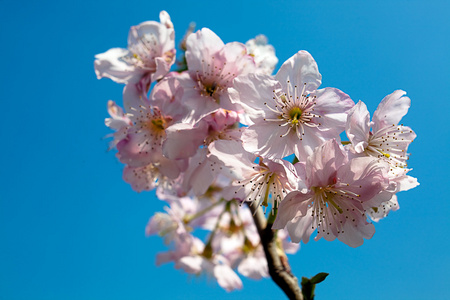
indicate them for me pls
(288, 113)
(189, 253)
(387, 139)
(162, 172)
(212, 66)
(206, 174)
(171, 225)
(261, 183)
(339, 193)
(119, 122)
(151, 119)
(263, 54)
(216, 266)
(381, 211)
(240, 242)
(221, 131)
(150, 53)
(253, 264)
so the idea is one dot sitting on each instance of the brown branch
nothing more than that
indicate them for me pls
(279, 270)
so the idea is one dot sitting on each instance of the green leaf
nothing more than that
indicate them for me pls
(319, 278)
(309, 285)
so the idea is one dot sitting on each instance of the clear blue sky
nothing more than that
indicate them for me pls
(70, 228)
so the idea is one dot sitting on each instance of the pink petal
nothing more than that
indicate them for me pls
(251, 90)
(391, 110)
(294, 204)
(267, 140)
(227, 278)
(358, 127)
(299, 69)
(109, 64)
(183, 140)
(300, 228)
(354, 236)
(201, 45)
(324, 163)
(332, 105)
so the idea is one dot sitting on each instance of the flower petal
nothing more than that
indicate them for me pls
(358, 127)
(295, 204)
(110, 65)
(301, 68)
(391, 110)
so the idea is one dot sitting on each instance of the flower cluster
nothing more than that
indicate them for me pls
(224, 131)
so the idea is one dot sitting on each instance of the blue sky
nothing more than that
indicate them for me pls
(70, 228)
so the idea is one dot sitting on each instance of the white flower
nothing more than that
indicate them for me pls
(288, 113)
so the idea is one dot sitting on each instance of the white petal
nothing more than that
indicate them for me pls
(110, 65)
(301, 68)
(354, 235)
(295, 204)
(227, 278)
(201, 45)
(358, 127)
(391, 110)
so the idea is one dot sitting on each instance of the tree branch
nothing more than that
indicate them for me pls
(279, 269)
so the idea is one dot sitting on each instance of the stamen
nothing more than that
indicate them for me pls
(295, 111)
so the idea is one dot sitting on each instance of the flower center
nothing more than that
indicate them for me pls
(391, 144)
(210, 89)
(213, 78)
(151, 122)
(263, 187)
(158, 124)
(144, 52)
(295, 108)
(334, 205)
(326, 197)
(295, 113)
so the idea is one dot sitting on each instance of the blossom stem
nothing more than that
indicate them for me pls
(208, 251)
(279, 270)
(272, 216)
(202, 212)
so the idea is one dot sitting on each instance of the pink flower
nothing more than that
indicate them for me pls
(188, 252)
(339, 193)
(254, 264)
(263, 54)
(236, 229)
(401, 182)
(151, 119)
(171, 225)
(212, 66)
(162, 172)
(239, 241)
(381, 211)
(199, 212)
(263, 183)
(150, 53)
(222, 125)
(289, 114)
(216, 266)
(191, 257)
(205, 172)
(386, 140)
(288, 246)
(184, 139)
(119, 122)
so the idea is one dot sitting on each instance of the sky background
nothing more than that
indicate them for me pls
(71, 228)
